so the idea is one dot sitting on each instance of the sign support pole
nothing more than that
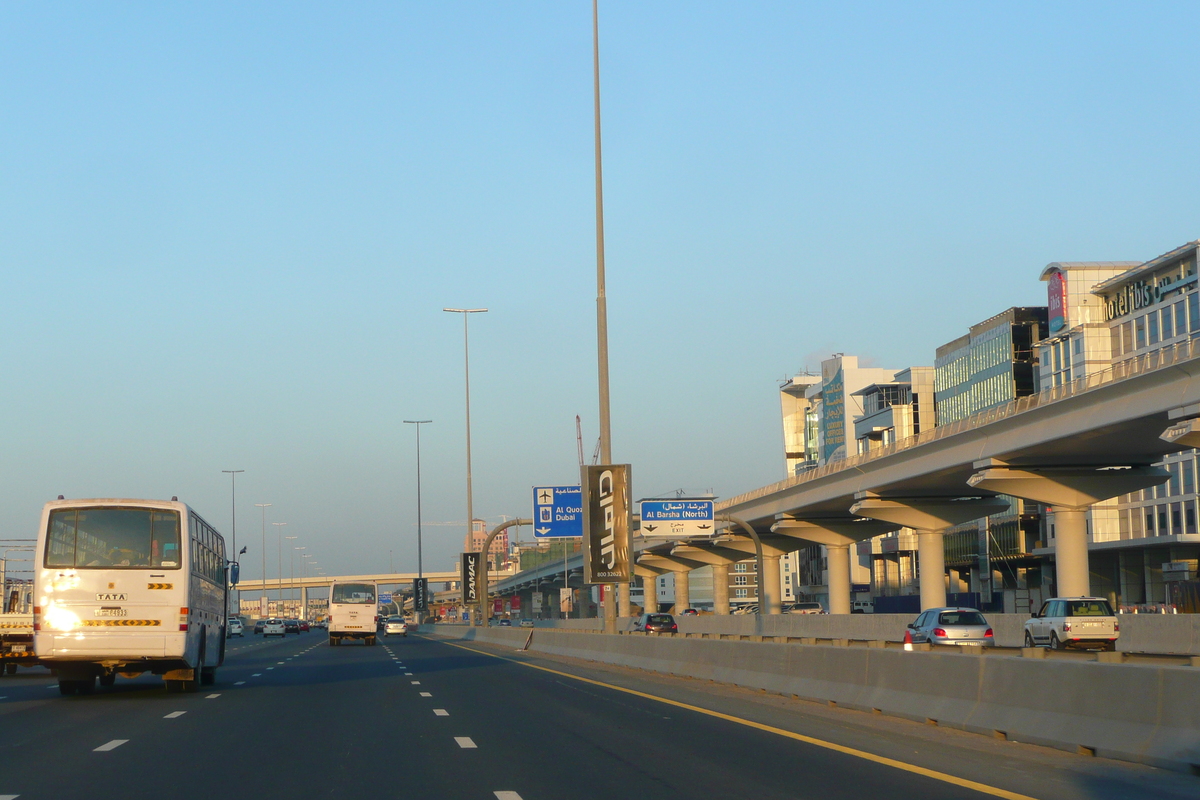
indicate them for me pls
(485, 611)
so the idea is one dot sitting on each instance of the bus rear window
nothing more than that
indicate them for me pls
(113, 538)
(362, 593)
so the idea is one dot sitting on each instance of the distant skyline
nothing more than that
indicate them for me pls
(227, 233)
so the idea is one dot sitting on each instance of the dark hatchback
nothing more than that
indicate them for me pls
(291, 626)
(656, 623)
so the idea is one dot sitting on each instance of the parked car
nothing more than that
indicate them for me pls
(1085, 623)
(526, 623)
(291, 625)
(504, 623)
(751, 608)
(258, 626)
(234, 627)
(656, 623)
(862, 606)
(805, 608)
(952, 626)
(274, 627)
(690, 612)
(395, 625)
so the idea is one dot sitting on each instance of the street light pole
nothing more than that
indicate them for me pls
(264, 507)
(279, 543)
(233, 473)
(419, 423)
(466, 312)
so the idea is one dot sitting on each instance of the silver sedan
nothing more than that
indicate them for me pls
(952, 626)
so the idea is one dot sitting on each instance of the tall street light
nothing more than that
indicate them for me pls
(279, 542)
(419, 423)
(233, 473)
(264, 507)
(295, 591)
(466, 312)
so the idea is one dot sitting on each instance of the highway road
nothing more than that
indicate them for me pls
(419, 717)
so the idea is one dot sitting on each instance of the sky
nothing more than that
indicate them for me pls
(228, 231)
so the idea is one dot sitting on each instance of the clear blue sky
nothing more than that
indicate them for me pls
(227, 232)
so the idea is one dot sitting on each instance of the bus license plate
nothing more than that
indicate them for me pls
(17, 648)
(111, 612)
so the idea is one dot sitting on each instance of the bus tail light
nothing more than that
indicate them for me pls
(183, 619)
(37, 618)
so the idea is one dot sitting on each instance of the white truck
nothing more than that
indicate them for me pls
(16, 642)
(352, 612)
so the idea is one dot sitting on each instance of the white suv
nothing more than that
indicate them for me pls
(1075, 622)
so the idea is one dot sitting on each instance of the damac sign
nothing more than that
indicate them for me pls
(606, 523)
(469, 575)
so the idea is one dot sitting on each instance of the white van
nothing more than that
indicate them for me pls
(862, 606)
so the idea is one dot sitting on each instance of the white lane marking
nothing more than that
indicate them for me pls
(426, 694)
(5, 697)
(278, 662)
(9, 796)
(270, 668)
(213, 696)
(408, 674)
(415, 683)
(256, 675)
(507, 796)
(174, 714)
(113, 745)
(441, 712)
(52, 686)
(240, 683)
(465, 742)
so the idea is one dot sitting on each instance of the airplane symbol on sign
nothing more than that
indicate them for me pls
(546, 496)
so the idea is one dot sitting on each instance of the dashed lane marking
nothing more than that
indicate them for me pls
(465, 742)
(507, 796)
(213, 696)
(415, 683)
(9, 796)
(270, 668)
(954, 780)
(240, 683)
(426, 694)
(107, 746)
(175, 714)
(256, 675)
(441, 712)
(408, 674)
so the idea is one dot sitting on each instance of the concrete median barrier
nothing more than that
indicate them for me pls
(1133, 712)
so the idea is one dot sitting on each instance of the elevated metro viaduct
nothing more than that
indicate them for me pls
(1066, 447)
(401, 579)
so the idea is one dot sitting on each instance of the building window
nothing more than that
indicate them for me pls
(1176, 519)
(1167, 330)
(1078, 345)
(1150, 522)
(1139, 331)
(1114, 334)
(1193, 304)
(1127, 337)
(740, 593)
(739, 580)
(1190, 515)
(1162, 521)
(740, 566)
(1152, 326)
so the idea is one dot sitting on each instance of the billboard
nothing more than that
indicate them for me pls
(421, 594)
(607, 518)
(833, 417)
(1057, 302)
(469, 575)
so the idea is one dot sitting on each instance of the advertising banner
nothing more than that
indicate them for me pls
(607, 518)
(514, 604)
(1057, 302)
(498, 605)
(469, 575)
(564, 600)
(421, 594)
(537, 602)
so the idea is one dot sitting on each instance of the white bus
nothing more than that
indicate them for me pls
(352, 612)
(123, 587)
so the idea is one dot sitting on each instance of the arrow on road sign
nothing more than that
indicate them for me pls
(650, 527)
(542, 531)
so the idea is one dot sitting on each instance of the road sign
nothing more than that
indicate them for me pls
(606, 523)
(557, 512)
(385, 598)
(677, 519)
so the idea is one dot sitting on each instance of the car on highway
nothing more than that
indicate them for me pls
(690, 612)
(805, 608)
(505, 623)
(274, 627)
(656, 623)
(304, 626)
(1080, 623)
(291, 625)
(234, 627)
(395, 625)
(951, 625)
(526, 623)
(258, 626)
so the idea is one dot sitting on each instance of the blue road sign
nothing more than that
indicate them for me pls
(673, 519)
(384, 598)
(557, 512)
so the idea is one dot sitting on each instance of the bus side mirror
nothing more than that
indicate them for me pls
(234, 572)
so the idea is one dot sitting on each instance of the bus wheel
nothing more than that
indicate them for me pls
(108, 679)
(370, 641)
(208, 676)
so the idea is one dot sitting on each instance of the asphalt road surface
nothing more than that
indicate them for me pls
(417, 717)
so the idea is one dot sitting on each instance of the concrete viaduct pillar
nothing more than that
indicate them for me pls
(680, 567)
(649, 577)
(773, 548)
(1070, 492)
(930, 517)
(719, 558)
(836, 535)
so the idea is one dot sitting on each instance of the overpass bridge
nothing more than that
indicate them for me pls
(1066, 447)
(323, 581)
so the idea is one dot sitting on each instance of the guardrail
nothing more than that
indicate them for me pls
(1138, 365)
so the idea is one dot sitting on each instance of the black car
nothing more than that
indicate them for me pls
(291, 626)
(656, 623)
(258, 626)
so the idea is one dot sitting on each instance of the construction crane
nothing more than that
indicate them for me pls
(579, 442)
